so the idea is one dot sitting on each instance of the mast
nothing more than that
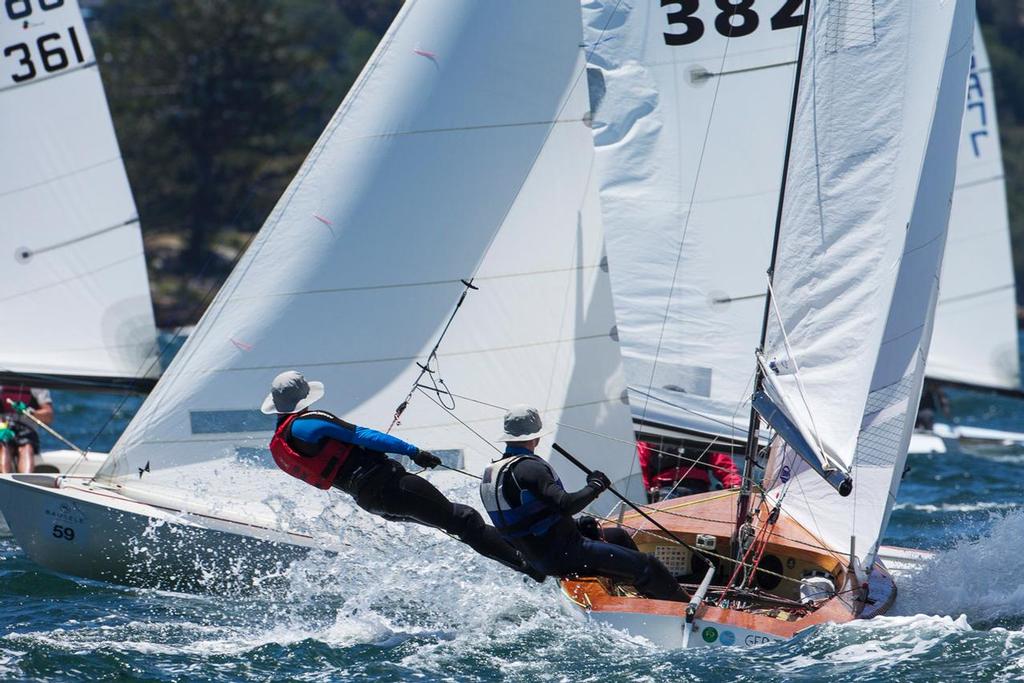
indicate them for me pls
(743, 502)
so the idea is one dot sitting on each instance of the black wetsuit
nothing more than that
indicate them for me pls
(382, 486)
(562, 550)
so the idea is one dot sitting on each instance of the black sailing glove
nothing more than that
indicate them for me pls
(426, 459)
(599, 481)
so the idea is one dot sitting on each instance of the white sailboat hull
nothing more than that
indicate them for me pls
(98, 534)
(946, 438)
(63, 462)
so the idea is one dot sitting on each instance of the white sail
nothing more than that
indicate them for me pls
(73, 278)
(463, 150)
(690, 132)
(861, 243)
(975, 340)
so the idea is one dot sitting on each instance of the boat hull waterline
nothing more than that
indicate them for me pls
(773, 613)
(95, 533)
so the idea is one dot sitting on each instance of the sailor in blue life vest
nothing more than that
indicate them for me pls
(324, 451)
(528, 505)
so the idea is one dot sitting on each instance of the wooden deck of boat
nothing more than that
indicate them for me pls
(796, 552)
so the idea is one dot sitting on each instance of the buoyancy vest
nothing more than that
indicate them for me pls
(531, 516)
(318, 468)
(15, 394)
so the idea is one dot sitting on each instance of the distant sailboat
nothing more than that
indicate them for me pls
(73, 284)
(861, 227)
(975, 343)
(461, 152)
(689, 175)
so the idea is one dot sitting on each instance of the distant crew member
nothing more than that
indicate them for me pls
(934, 403)
(323, 450)
(667, 475)
(528, 505)
(19, 441)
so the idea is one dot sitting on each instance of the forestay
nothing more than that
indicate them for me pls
(690, 132)
(462, 150)
(72, 270)
(861, 242)
(975, 339)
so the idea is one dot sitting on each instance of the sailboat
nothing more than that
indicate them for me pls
(975, 342)
(867, 182)
(688, 183)
(75, 290)
(452, 198)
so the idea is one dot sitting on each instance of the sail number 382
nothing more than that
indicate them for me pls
(735, 19)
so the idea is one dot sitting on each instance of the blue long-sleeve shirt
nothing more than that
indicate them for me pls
(312, 429)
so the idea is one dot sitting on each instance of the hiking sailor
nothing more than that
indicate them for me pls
(529, 506)
(324, 451)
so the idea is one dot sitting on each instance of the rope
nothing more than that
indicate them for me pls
(432, 358)
(705, 552)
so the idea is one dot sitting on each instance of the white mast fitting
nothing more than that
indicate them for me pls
(72, 269)
(462, 151)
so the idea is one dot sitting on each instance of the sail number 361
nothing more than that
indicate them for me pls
(49, 52)
(735, 19)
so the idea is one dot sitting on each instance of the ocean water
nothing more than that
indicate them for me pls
(406, 603)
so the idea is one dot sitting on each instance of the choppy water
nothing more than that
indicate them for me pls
(406, 603)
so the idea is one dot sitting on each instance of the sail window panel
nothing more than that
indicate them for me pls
(851, 24)
(230, 421)
(396, 203)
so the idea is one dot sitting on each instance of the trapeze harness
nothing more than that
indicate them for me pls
(318, 467)
(531, 516)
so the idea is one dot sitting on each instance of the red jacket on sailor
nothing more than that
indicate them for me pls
(719, 464)
(318, 469)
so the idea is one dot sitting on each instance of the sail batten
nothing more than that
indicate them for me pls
(73, 271)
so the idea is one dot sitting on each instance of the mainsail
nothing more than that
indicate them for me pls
(860, 249)
(463, 151)
(73, 276)
(690, 121)
(690, 130)
(975, 340)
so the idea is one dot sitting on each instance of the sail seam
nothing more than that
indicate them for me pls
(77, 276)
(976, 295)
(69, 174)
(396, 359)
(425, 283)
(982, 181)
(461, 129)
(36, 81)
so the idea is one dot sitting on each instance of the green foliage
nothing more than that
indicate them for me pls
(216, 103)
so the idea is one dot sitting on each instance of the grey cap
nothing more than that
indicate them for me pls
(290, 393)
(523, 423)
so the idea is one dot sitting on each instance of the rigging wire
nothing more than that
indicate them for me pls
(424, 367)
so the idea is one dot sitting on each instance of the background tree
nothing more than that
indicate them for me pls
(216, 103)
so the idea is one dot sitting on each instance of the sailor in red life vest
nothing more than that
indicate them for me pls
(324, 451)
(19, 442)
(669, 476)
